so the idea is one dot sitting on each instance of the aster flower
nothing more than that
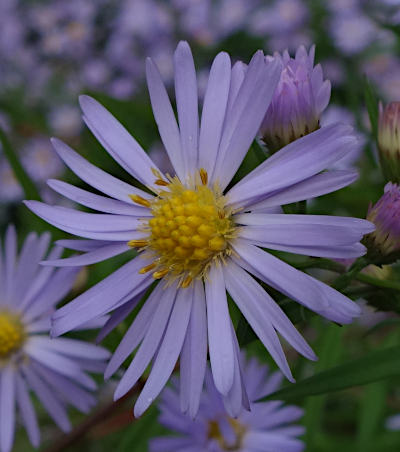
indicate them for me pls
(300, 98)
(54, 369)
(268, 426)
(389, 140)
(196, 237)
(384, 243)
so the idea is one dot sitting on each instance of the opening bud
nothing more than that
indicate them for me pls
(300, 98)
(384, 243)
(389, 140)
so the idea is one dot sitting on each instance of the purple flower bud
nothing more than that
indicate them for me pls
(389, 140)
(384, 243)
(300, 98)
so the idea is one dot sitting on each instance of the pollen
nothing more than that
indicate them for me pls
(191, 227)
(12, 334)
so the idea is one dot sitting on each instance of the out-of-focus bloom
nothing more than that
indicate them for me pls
(196, 237)
(299, 99)
(39, 159)
(382, 69)
(393, 422)
(281, 21)
(352, 31)
(54, 369)
(266, 426)
(65, 121)
(389, 140)
(334, 114)
(384, 243)
(10, 190)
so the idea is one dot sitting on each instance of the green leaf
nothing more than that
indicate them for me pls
(373, 366)
(371, 102)
(26, 182)
(329, 350)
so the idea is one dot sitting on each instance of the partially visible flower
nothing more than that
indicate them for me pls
(352, 31)
(10, 190)
(384, 243)
(40, 161)
(334, 114)
(54, 369)
(65, 121)
(263, 426)
(198, 238)
(393, 422)
(300, 98)
(389, 141)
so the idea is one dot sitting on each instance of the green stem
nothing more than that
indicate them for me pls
(385, 283)
(26, 182)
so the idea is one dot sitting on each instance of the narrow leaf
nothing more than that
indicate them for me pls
(373, 366)
(26, 182)
(371, 103)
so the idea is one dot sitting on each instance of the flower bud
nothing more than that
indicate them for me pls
(389, 140)
(384, 243)
(299, 99)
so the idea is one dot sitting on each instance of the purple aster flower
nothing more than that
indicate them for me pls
(10, 190)
(266, 426)
(384, 243)
(389, 140)
(54, 369)
(197, 237)
(334, 114)
(39, 160)
(300, 98)
(352, 31)
(393, 422)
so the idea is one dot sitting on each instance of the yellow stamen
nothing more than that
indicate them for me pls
(186, 282)
(139, 200)
(160, 274)
(203, 176)
(161, 182)
(137, 243)
(146, 269)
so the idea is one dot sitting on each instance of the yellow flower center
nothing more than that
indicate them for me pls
(12, 334)
(190, 228)
(214, 432)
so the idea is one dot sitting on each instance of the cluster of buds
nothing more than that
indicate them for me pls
(300, 98)
(384, 243)
(389, 141)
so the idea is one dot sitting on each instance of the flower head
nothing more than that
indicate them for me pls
(54, 369)
(389, 140)
(299, 99)
(197, 238)
(265, 426)
(384, 243)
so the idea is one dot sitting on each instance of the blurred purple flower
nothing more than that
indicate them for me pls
(334, 114)
(65, 121)
(300, 98)
(393, 422)
(352, 31)
(54, 369)
(10, 190)
(39, 159)
(198, 237)
(389, 140)
(384, 243)
(265, 426)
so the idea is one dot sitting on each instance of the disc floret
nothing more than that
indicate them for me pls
(12, 334)
(190, 228)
